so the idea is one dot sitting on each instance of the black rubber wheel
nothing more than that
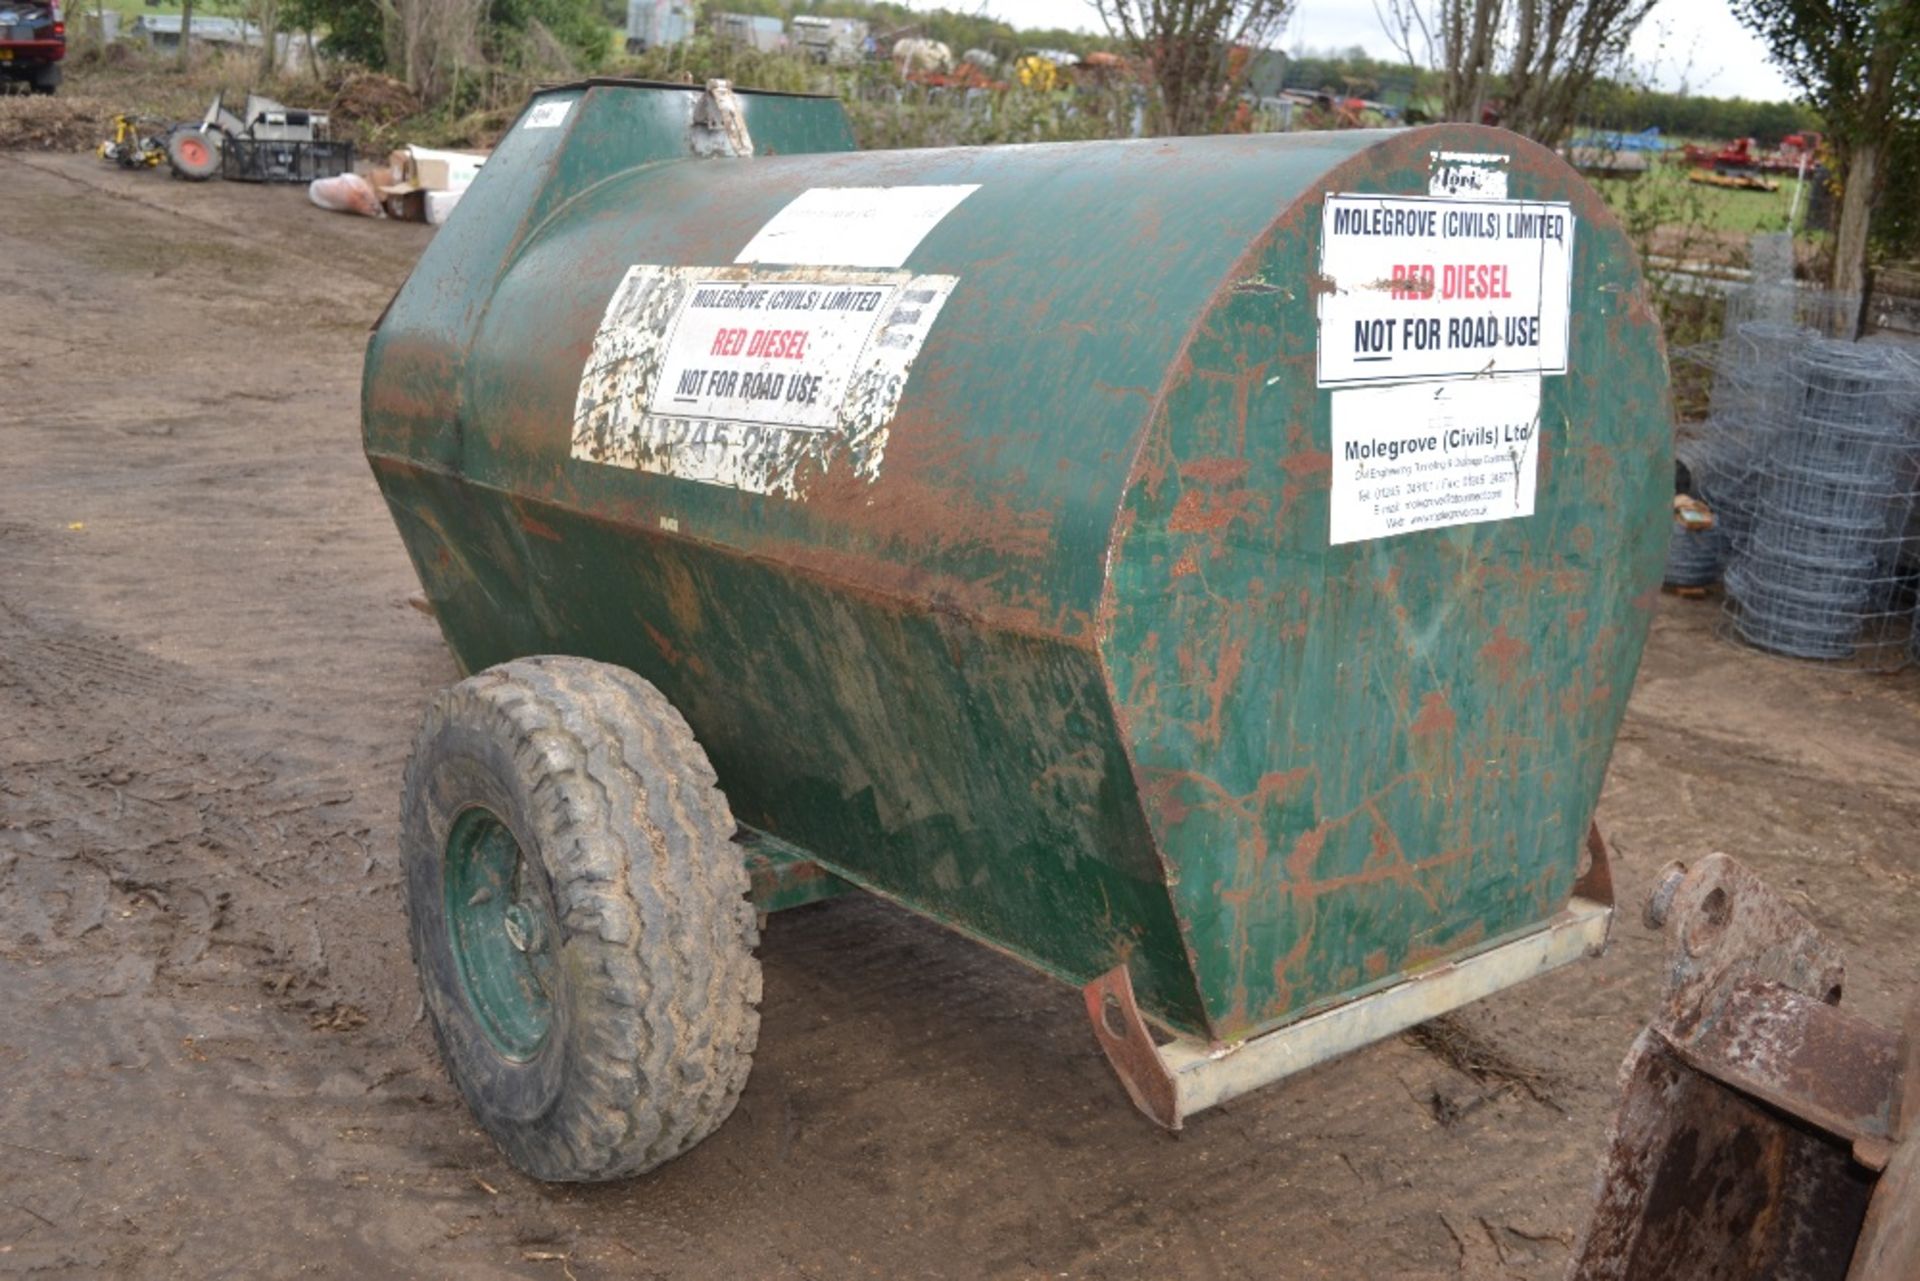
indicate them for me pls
(579, 917)
(193, 155)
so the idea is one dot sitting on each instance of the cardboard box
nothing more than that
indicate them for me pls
(433, 170)
(413, 175)
(440, 204)
(406, 202)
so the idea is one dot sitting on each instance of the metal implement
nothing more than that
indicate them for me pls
(1000, 548)
(1763, 1131)
(1171, 1082)
(266, 142)
(138, 142)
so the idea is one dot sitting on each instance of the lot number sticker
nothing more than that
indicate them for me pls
(1416, 287)
(548, 115)
(1428, 455)
(755, 380)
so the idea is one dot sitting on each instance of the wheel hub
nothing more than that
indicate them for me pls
(499, 924)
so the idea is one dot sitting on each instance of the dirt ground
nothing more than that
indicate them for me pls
(212, 1043)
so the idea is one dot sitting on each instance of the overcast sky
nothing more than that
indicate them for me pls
(1695, 43)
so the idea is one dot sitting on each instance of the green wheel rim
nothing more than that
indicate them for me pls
(502, 932)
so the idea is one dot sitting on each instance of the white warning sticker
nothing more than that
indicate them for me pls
(755, 380)
(853, 226)
(1415, 287)
(1426, 455)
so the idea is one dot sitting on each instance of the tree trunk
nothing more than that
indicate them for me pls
(1856, 203)
(186, 32)
(269, 38)
(1863, 155)
(393, 41)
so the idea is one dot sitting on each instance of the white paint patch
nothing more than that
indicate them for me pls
(1427, 455)
(548, 114)
(762, 381)
(670, 524)
(1418, 288)
(1467, 175)
(853, 226)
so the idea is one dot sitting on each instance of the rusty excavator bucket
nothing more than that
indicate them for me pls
(1763, 1131)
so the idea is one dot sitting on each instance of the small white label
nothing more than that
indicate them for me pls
(1415, 287)
(853, 226)
(548, 114)
(1426, 455)
(1467, 175)
(755, 380)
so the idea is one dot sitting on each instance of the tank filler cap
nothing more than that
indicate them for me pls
(719, 126)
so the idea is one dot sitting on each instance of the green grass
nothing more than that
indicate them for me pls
(1667, 187)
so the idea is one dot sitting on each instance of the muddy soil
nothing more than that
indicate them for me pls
(210, 1035)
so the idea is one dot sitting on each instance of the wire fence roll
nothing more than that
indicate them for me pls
(1695, 556)
(1810, 461)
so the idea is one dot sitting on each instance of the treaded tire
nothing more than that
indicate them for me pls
(654, 990)
(193, 155)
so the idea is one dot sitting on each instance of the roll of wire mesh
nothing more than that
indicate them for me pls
(1817, 569)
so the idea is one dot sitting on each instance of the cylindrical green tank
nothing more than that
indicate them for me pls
(1223, 557)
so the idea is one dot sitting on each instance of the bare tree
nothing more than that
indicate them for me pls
(1540, 57)
(266, 16)
(430, 43)
(1456, 38)
(1200, 52)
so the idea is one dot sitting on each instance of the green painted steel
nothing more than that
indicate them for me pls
(782, 877)
(1078, 672)
(499, 923)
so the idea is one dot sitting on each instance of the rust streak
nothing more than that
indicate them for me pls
(1436, 716)
(1506, 652)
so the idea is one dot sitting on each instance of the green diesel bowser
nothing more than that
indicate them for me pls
(1209, 570)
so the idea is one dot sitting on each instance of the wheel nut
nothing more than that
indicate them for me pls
(523, 928)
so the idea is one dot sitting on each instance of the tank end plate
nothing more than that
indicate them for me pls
(1172, 1081)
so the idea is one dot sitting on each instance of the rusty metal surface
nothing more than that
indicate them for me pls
(720, 123)
(1173, 1081)
(1595, 879)
(1705, 1184)
(1075, 670)
(1206, 1076)
(1124, 1038)
(781, 877)
(1724, 924)
(1803, 1056)
(1889, 1247)
(1755, 1115)
(1344, 751)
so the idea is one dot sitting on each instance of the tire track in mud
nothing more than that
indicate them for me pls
(211, 850)
(174, 917)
